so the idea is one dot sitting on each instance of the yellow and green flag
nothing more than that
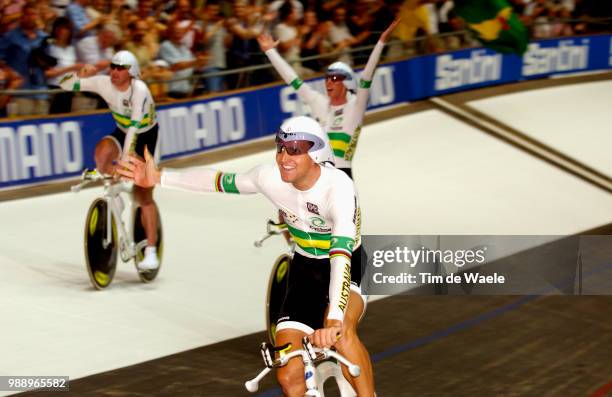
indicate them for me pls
(494, 24)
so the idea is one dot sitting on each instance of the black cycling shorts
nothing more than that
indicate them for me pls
(148, 139)
(307, 295)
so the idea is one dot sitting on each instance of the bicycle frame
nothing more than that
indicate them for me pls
(127, 247)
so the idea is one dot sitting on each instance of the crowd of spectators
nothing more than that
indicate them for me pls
(177, 41)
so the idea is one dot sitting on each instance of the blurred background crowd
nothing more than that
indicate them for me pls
(189, 48)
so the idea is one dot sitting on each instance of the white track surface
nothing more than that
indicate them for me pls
(421, 174)
(576, 119)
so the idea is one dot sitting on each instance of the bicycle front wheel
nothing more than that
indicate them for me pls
(100, 255)
(277, 289)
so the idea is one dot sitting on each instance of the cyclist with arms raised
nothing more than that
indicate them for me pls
(133, 109)
(322, 213)
(341, 111)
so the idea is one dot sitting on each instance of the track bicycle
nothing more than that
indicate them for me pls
(319, 364)
(106, 233)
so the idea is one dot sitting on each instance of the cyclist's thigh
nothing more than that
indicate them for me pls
(107, 150)
(148, 139)
(113, 142)
(306, 300)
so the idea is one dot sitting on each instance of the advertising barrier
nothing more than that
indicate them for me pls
(41, 150)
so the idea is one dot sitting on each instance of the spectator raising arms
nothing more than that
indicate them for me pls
(290, 39)
(85, 29)
(63, 51)
(141, 43)
(340, 35)
(314, 40)
(217, 40)
(245, 26)
(181, 59)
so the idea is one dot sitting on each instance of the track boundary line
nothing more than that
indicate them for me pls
(524, 143)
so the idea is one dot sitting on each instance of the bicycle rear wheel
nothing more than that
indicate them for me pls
(139, 235)
(101, 260)
(277, 289)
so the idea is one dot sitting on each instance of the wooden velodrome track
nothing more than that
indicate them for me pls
(420, 345)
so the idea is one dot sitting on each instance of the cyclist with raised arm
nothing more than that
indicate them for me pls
(133, 109)
(341, 111)
(321, 209)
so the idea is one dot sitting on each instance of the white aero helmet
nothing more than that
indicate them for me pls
(303, 128)
(127, 59)
(345, 70)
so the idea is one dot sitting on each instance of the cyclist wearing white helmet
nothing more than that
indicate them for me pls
(341, 111)
(133, 109)
(322, 213)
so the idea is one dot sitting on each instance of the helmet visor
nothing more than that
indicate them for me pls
(115, 66)
(293, 148)
(315, 142)
(335, 77)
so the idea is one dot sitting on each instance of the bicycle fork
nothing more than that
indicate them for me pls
(312, 388)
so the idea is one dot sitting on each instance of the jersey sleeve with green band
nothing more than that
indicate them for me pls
(297, 83)
(365, 83)
(226, 183)
(342, 246)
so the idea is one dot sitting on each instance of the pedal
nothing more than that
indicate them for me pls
(90, 174)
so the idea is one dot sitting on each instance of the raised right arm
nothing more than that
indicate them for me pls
(307, 94)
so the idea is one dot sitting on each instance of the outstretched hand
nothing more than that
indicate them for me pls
(266, 42)
(385, 35)
(143, 173)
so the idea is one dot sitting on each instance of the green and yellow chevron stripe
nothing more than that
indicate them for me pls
(313, 243)
(125, 122)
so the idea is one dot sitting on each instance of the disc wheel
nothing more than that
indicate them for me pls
(101, 259)
(140, 235)
(277, 289)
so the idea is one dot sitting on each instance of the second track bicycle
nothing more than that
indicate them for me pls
(108, 237)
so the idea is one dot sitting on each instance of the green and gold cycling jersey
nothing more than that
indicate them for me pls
(132, 109)
(325, 220)
(343, 122)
